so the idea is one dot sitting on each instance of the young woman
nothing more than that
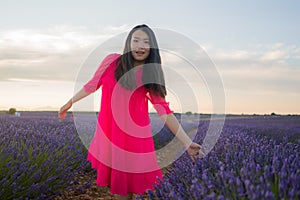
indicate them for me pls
(122, 150)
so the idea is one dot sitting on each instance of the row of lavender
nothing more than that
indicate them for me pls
(38, 155)
(256, 157)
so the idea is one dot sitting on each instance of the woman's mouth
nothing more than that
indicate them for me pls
(140, 53)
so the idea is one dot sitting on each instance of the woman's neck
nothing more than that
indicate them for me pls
(138, 65)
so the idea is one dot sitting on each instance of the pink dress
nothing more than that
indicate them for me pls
(122, 150)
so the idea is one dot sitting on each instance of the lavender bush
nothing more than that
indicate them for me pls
(255, 158)
(38, 156)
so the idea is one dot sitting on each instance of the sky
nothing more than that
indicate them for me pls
(253, 45)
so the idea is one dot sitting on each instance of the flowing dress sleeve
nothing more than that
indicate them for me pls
(159, 103)
(96, 81)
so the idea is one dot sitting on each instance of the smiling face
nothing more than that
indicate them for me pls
(140, 47)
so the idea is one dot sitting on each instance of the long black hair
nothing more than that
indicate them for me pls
(153, 77)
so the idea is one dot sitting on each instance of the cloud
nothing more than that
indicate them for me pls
(54, 53)
(272, 53)
(117, 29)
(262, 69)
(170, 57)
(234, 55)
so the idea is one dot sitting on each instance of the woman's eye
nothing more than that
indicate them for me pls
(135, 40)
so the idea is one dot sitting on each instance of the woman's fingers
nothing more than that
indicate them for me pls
(193, 159)
(195, 151)
(62, 115)
(63, 111)
(201, 154)
(196, 146)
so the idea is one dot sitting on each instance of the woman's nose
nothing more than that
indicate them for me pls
(141, 45)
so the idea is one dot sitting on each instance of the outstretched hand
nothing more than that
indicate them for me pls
(194, 150)
(62, 113)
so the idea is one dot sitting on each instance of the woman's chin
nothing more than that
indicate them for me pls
(139, 59)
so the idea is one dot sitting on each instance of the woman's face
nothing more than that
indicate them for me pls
(140, 46)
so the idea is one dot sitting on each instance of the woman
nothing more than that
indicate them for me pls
(122, 150)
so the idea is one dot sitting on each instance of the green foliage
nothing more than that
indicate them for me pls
(12, 111)
(188, 113)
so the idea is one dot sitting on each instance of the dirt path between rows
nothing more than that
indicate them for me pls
(80, 192)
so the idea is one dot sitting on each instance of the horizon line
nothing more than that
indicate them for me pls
(192, 113)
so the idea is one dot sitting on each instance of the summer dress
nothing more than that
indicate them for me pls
(122, 150)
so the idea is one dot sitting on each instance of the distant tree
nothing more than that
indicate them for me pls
(273, 114)
(12, 111)
(188, 113)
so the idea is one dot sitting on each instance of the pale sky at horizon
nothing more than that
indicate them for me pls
(255, 46)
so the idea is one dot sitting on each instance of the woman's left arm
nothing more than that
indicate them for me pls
(174, 126)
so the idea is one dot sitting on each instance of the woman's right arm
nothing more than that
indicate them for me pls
(91, 86)
(64, 109)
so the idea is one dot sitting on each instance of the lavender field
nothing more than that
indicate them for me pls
(256, 157)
